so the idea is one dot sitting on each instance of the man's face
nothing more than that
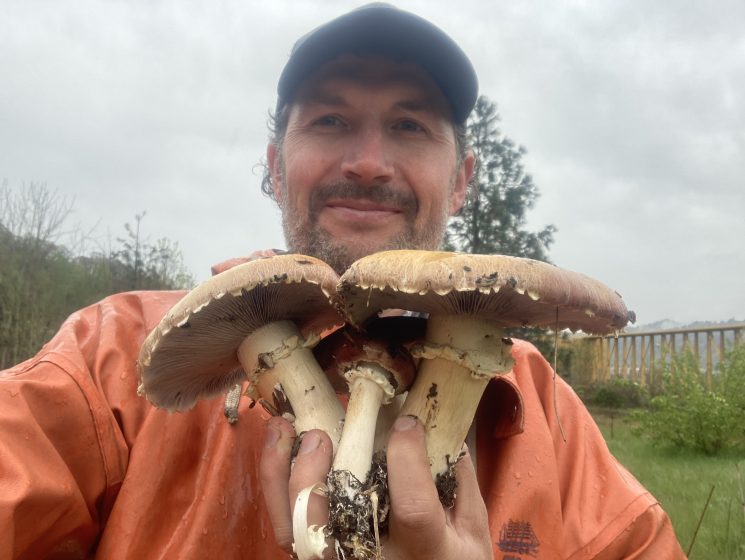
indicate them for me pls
(368, 162)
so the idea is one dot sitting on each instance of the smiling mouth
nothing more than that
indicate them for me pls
(362, 206)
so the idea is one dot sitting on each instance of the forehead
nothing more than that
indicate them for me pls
(374, 73)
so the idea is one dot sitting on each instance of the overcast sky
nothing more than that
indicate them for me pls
(632, 114)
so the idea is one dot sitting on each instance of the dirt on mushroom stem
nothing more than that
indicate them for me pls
(354, 514)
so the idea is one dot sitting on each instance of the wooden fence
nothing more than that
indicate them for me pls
(636, 355)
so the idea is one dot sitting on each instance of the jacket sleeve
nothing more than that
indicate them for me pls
(649, 537)
(58, 468)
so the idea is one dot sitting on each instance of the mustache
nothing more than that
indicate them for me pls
(405, 202)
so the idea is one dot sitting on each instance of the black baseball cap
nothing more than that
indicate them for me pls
(384, 29)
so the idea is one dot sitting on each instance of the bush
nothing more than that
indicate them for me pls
(616, 394)
(689, 414)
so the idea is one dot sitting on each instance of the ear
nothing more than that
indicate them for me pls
(273, 160)
(462, 180)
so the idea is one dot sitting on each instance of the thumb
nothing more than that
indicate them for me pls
(417, 519)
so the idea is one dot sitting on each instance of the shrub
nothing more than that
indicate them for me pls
(616, 394)
(689, 414)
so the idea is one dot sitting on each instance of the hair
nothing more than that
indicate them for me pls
(277, 125)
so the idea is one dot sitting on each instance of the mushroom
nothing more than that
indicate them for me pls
(254, 316)
(376, 370)
(470, 299)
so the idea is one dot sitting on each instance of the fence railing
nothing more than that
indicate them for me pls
(636, 355)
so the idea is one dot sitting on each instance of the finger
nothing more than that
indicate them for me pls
(312, 465)
(274, 471)
(469, 513)
(417, 517)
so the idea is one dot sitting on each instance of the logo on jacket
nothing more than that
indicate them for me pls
(517, 537)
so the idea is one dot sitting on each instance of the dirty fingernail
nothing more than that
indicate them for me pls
(310, 442)
(404, 423)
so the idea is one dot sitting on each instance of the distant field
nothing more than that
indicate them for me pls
(681, 481)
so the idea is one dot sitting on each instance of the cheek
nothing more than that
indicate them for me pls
(306, 170)
(432, 190)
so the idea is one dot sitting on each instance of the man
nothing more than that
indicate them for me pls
(367, 154)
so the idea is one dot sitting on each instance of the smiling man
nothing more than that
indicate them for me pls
(368, 153)
(369, 160)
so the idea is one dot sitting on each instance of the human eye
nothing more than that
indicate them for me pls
(328, 121)
(408, 125)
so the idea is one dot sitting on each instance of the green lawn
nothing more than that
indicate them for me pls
(681, 481)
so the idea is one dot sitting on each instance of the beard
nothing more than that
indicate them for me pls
(306, 236)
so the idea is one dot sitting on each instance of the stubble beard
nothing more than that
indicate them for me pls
(305, 235)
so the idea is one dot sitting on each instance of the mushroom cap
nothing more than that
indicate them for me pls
(512, 291)
(347, 348)
(191, 353)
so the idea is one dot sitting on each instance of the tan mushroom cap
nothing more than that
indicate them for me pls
(513, 291)
(191, 354)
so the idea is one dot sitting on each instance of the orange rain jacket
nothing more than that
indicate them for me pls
(90, 470)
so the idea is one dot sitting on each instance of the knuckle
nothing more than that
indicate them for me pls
(415, 515)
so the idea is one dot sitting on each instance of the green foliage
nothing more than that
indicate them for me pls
(42, 281)
(681, 480)
(690, 414)
(615, 394)
(493, 220)
(141, 265)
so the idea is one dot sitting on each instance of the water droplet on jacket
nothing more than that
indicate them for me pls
(205, 531)
(222, 500)
(517, 475)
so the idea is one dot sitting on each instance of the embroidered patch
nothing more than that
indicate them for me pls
(517, 537)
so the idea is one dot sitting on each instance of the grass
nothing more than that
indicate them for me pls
(682, 481)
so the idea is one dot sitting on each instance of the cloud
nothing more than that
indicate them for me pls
(631, 113)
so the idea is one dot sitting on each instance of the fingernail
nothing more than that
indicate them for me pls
(272, 436)
(310, 442)
(404, 423)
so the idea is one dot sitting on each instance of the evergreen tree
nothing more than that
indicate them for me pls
(494, 217)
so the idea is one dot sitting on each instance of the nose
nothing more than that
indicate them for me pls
(366, 158)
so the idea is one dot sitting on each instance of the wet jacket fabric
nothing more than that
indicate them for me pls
(90, 470)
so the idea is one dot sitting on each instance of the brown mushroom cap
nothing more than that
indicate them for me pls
(513, 291)
(191, 354)
(347, 348)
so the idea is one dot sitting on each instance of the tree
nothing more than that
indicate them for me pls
(493, 219)
(43, 280)
(140, 265)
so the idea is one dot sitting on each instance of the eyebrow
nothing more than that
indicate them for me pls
(321, 97)
(317, 95)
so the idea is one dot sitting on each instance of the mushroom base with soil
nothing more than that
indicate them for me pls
(358, 512)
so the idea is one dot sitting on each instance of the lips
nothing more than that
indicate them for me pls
(362, 206)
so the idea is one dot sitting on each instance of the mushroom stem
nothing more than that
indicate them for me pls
(353, 512)
(276, 353)
(386, 417)
(461, 354)
(369, 388)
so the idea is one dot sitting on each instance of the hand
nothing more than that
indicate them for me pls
(419, 527)
(230, 263)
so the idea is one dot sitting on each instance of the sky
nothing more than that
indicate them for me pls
(632, 114)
